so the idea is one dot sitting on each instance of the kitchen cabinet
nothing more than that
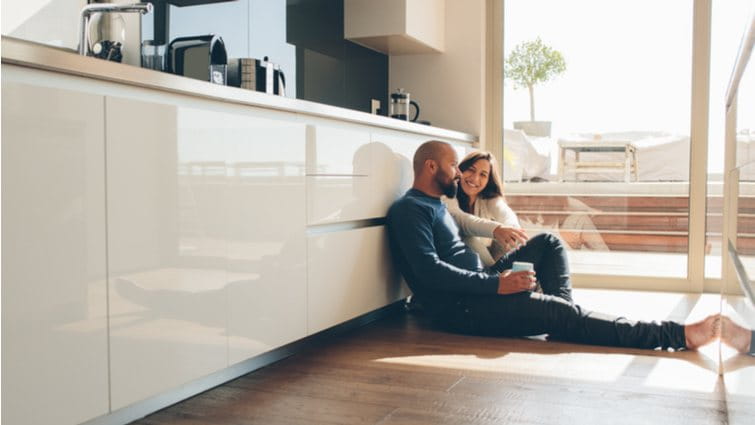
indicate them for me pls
(266, 225)
(54, 323)
(338, 173)
(396, 27)
(159, 235)
(206, 220)
(350, 273)
(166, 251)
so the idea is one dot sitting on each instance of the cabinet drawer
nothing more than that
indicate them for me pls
(342, 198)
(337, 151)
(349, 273)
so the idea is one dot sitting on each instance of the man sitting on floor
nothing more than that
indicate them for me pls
(460, 295)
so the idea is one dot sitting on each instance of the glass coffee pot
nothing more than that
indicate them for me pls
(400, 104)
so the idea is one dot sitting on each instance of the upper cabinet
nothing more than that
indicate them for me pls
(396, 27)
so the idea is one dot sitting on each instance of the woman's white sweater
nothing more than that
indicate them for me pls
(477, 229)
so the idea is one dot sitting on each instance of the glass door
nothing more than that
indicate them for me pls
(596, 143)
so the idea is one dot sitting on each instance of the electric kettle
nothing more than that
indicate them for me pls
(399, 106)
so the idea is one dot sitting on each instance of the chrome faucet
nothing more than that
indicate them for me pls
(88, 10)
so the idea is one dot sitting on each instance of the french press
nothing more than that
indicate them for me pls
(399, 106)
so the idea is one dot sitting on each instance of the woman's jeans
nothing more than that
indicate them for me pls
(553, 312)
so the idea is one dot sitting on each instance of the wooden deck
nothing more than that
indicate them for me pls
(398, 370)
(628, 223)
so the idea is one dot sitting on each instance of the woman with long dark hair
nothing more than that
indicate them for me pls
(491, 228)
(481, 195)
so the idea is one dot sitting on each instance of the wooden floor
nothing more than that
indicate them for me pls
(400, 371)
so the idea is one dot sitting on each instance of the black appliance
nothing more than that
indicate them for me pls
(202, 57)
(257, 74)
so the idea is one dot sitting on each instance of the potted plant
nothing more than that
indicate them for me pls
(530, 63)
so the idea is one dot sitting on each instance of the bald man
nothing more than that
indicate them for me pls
(462, 296)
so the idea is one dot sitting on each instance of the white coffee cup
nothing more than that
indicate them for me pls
(519, 266)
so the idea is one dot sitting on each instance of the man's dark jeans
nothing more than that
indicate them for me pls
(553, 312)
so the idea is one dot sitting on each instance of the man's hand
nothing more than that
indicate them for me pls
(511, 283)
(510, 237)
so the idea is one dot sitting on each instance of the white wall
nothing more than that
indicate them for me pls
(53, 22)
(449, 86)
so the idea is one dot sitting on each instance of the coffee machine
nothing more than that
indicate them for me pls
(155, 52)
(202, 57)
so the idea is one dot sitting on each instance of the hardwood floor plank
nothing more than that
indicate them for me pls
(246, 406)
(399, 370)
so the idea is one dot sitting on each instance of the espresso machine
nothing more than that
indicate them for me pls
(155, 52)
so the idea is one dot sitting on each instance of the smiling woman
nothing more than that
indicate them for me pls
(481, 195)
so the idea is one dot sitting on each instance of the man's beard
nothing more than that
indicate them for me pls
(450, 189)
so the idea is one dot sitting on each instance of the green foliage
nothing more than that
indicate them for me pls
(533, 62)
(530, 63)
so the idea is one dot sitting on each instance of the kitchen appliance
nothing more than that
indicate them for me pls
(102, 30)
(257, 74)
(400, 104)
(154, 52)
(202, 57)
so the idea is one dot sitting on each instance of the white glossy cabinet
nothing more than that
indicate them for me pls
(166, 248)
(356, 174)
(266, 224)
(151, 239)
(54, 323)
(338, 173)
(350, 273)
(207, 251)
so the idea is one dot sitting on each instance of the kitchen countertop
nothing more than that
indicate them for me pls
(29, 54)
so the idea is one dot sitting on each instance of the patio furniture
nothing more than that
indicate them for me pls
(664, 157)
(628, 165)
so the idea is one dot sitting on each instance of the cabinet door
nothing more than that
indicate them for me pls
(54, 323)
(266, 219)
(349, 273)
(206, 219)
(338, 173)
(166, 183)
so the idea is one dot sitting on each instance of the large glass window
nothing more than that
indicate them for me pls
(609, 169)
(727, 24)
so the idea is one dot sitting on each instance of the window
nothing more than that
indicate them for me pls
(611, 176)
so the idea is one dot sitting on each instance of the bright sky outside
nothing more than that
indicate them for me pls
(628, 64)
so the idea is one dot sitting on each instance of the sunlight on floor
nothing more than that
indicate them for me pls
(683, 376)
(579, 366)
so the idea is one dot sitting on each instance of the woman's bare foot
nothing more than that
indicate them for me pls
(735, 336)
(703, 332)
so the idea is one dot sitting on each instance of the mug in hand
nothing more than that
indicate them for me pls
(518, 266)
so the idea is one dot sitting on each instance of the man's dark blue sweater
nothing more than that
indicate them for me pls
(428, 251)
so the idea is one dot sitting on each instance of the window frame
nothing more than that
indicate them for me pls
(491, 140)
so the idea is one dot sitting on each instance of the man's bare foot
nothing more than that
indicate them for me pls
(735, 336)
(703, 332)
